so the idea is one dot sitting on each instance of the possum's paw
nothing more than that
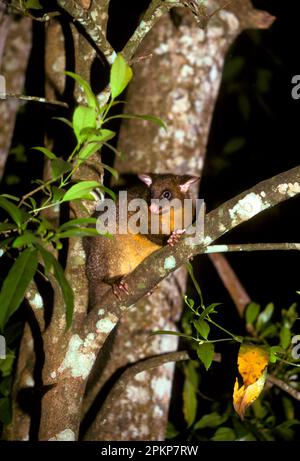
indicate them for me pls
(120, 287)
(175, 236)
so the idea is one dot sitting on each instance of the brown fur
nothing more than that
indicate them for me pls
(110, 259)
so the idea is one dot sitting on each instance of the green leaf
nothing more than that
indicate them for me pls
(88, 150)
(285, 337)
(45, 151)
(189, 302)
(24, 240)
(191, 372)
(244, 105)
(67, 292)
(83, 117)
(224, 434)
(284, 432)
(57, 194)
(59, 167)
(290, 315)
(80, 190)
(33, 5)
(108, 191)
(260, 410)
(33, 202)
(189, 402)
(66, 289)
(274, 350)
(209, 310)
(120, 76)
(94, 143)
(233, 68)
(205, 353)
(77, 222)
(91, 98)
(234, 145)
(18, 215)
(47, 258)
(196, 284)
(115, 151)
(252, 312)
(5, 243)
(6, 365)
(264, 316)
(5, 385)
(148, 117)
(171, 431)
(288, 407)
(263, 81)
(64, 120)
(269, 332)
(5, 410)
(170, 332)
(16, 283)
(277, 349)
(202, 327)
(6, 226)
(11, 197)
(77, 232)
(210, 420)
(112, 171)
(96, 135)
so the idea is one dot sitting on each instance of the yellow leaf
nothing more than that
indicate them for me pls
(252, 365)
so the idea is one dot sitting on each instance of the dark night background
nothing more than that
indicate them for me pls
(255, 134)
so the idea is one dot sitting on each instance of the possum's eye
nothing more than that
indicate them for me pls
(166, 195)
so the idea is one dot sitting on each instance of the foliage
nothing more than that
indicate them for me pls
(270, 345)
(28, 240)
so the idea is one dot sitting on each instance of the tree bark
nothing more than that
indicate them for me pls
(15, 46)
(178, 83)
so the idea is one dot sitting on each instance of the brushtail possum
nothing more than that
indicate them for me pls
(110, 259)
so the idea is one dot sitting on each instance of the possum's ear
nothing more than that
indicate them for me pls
(187, 182)
(146, 178)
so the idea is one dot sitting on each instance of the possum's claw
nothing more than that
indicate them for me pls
(175, 236)
(119, 288)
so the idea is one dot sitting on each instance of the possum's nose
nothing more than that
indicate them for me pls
(154, 208)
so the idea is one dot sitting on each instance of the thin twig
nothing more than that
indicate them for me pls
(34, 191)
(35, 99)
(233, 284)
(284, 387)
(252, 247)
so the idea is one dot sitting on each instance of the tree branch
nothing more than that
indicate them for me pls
(155, 10)
(91, 27)
(252, 247)
(232, 283)
(218, 222)
(133, 370)
(100, 8)
(284, 387)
